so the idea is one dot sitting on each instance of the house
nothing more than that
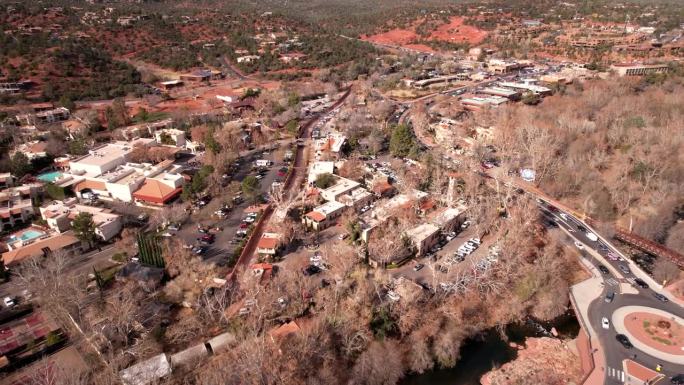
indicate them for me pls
(170, 137)
(262, 271)
(16, 204)
(324, 215)
(356, 199)
(6, 180)
(248, 58)
(44, 117)
(60, 214)
(424, 237)
(32, 150)
(268, 244)
(66, 243)
(202, 75)
(171, 84)
(290, 57)
(319, 168)
(146, 129)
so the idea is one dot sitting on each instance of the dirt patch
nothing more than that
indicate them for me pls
(656, 331)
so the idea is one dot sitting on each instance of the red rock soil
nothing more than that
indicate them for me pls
(454, 31)
(634, 322)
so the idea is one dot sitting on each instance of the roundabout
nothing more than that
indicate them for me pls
(652, 331)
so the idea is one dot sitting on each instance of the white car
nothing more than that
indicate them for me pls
(604, 323)
(9, 301)
(248, 219)
(579, 245)
(564, 216)
(591, 236)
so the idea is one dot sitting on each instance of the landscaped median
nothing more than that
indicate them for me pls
(653, 331)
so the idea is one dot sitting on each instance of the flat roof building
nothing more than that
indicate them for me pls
(635, 69)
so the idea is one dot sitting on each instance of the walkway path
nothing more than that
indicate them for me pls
(618, 320)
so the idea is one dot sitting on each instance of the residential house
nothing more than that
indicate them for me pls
(268, 245)
(171, 137)
(32, 150)
(356, 199)
(16, 204)
(60, 214)
(44, 117)
(324, 215)
(6, 180)
(66, 243)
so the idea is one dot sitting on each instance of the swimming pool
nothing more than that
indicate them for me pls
(30, 234)
(50, 176)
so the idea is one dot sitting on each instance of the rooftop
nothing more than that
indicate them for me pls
(423, 231)
(342, 186)
(34, 249)
(329, 207)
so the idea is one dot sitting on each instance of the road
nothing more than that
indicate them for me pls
(299, 169)
(626, 294)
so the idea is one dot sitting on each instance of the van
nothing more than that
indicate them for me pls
(263, 163)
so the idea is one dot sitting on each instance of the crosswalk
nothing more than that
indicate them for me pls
(612, 282)
(616, 374)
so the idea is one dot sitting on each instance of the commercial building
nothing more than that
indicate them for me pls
(626, 69)
(320, 168)
(527, 87)
(477, 103)
(356, 198)
(501, 92)
(104, 158)
(60, 214)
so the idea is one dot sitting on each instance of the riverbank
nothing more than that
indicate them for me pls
(541, 360)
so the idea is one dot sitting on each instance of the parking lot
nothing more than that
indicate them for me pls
(443, 265)
(224, 229)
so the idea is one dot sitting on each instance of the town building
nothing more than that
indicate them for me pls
(635, 69)
(341, 187)
(60, 214)
(32, 150)
(356, 198)
(501, 92)
(320, 168)
(202, 75)
(16, 204)
(65, 243)
(324, 215)
(171, 137)
(44, 116)
(424, 237)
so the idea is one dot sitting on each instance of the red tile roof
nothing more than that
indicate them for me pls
(267, 243)
(90, 184)
(315, 216)
(155, 191)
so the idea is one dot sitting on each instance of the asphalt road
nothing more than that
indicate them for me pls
(614, 352)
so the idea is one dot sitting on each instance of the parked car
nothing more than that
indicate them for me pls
(249, 219)
(624, 340)
(612, 256)
(624, 269)
(199, 250)
(173, 227)
(418, 266)
(640, 282)
(603, 269)
(591, 236)
(207, 238)
(678, 379)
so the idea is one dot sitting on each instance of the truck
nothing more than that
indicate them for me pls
(263, 163)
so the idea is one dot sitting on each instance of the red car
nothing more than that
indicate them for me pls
(207, 238)
(244, 225)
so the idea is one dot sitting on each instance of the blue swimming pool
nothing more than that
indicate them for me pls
(31, 234)
(50, 176)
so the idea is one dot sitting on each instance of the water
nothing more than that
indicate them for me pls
(49, 176)
(31, 234)
(489, 350)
